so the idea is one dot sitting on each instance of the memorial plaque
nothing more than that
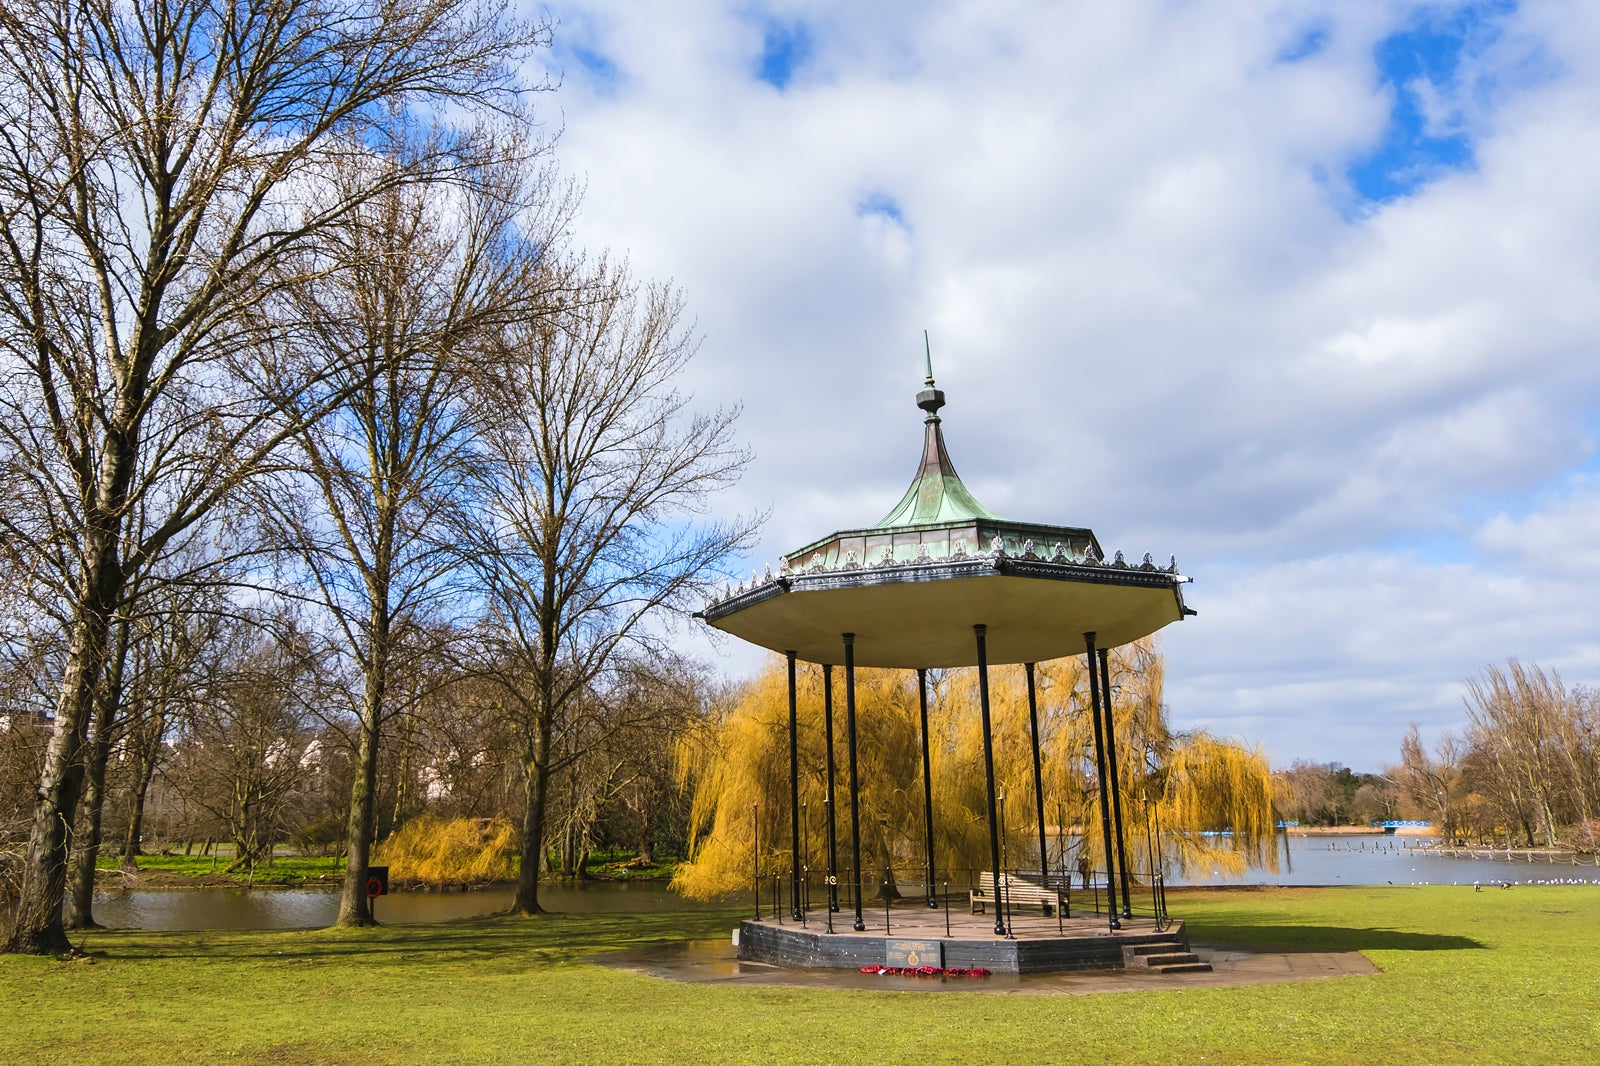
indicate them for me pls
(913, 953)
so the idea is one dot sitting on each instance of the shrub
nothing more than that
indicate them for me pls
(442, 851)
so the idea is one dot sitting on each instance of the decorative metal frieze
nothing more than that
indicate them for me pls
(741, 601)
(937, 570)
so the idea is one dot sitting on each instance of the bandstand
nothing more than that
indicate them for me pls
(941, 581)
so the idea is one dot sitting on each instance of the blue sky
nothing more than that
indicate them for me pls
(1306, 293)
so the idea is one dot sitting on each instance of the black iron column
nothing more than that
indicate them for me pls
(927, 784)
(794, 795)
(833, 844)
(850, 739)
(1116, 780)
(1038, 775)
(981, 632)
(1100, 769)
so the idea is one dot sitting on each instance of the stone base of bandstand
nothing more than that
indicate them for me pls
(916, 936)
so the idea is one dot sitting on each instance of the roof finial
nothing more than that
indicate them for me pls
(929, 399)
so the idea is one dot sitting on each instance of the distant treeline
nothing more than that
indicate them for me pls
(1525, 770)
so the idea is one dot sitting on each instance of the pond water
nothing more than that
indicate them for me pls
(310, 908)
(1342, 860)
(1377, 859)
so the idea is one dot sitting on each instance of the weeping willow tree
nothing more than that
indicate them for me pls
(1207, 801)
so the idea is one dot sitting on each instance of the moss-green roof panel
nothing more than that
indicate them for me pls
(936, 494)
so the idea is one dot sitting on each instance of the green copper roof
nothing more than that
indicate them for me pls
(936, 494)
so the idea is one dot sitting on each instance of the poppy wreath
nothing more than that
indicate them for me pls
(927, 971)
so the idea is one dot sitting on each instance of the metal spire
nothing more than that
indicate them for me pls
(936, 493)
(929, 399)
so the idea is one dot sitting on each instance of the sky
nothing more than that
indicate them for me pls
(1303, 293)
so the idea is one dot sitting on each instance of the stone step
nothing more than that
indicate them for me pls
(1183, 967)
(1159, 947)
(1164, 956)
(1170, 958)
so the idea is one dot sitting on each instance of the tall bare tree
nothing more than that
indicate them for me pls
(154, 165)
(168, 613)
(600, 475)
(407, 299)
(1515, 717)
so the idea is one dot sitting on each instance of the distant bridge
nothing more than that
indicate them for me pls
(1394, 823)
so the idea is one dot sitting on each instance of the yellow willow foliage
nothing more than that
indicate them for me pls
(741, 775)
(451, 851)
(1186, 785)
(1213, 785)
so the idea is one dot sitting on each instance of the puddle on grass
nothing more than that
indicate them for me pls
(717, 962)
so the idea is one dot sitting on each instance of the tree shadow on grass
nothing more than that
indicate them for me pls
(1326, 937)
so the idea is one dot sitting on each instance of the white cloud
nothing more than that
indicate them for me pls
(1156, 304)
(1558, 540)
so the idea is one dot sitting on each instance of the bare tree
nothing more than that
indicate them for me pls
(165, 684)
(154, 169)
(600, 476)
(241, 756)
(1580, 751)
(410, 292)
(167, 617)
(1431, 782)
(1515, 717)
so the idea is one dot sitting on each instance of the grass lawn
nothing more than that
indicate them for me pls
(285, 869)
(177, 870)
(1486, 977)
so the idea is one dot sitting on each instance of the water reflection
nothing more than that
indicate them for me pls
(1342, 860)
(310, 908)
(1377, 859)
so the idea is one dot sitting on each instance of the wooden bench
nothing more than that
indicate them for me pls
(1016, 892)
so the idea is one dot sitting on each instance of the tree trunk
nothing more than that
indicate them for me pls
(131, 844)
(536, 795)
(86, 846)
(96, 753)
(354, 907)
(38, 928)
(647, 832)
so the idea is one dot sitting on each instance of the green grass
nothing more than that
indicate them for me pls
(617, 866)
(310, 870)
(1488, 977)
(285, 869)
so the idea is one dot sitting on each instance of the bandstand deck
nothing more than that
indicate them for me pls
(1037, 944)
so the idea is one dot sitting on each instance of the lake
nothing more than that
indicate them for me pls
(1340, 860)
(310, 908)
(1377, 859)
